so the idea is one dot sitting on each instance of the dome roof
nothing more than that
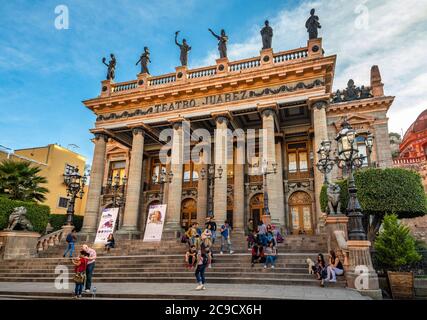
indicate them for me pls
(419, 125)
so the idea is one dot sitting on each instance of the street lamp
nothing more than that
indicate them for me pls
(211, 179)
(75, 184)
(348, 157)
(325, 164)
(118, 192)
(162, 179)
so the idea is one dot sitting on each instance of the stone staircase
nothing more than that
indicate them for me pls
(137, 261)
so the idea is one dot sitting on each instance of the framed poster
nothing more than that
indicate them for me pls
(106, 224)
(155, 221)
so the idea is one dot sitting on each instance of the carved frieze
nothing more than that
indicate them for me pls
(352, 93)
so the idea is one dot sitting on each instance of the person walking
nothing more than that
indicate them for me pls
(202, 262)
(80, 276)
(71, 239)
(225, 237)
(90, 266)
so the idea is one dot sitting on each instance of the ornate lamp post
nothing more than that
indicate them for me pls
(265, 173)
(162, 179)
(211, 179)
(75, 189)
(349, 158)
(118, 191)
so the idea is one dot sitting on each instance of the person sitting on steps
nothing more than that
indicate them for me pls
(334, 269)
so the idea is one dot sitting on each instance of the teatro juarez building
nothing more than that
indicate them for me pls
(288, 94)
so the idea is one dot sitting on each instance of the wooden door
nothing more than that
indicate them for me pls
(300, 213)
(257, 208)
(188, 213)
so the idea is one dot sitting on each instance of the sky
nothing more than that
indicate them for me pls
(46, 72)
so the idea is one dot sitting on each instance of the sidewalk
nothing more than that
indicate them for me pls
(179, 291)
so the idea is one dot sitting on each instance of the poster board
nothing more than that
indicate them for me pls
(107, 224)
(155, 221)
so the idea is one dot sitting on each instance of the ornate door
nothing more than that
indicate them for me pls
(300, 211)
(257, 208)
(188, 212)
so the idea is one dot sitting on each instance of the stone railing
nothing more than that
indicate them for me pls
(156, 81)
(49, 240)
(124, 86)
(187, 75)
(200, 73)
(400, 161)
(245, 64)
(290, 55)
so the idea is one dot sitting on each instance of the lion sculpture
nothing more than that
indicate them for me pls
(334, 203)
(18, 219)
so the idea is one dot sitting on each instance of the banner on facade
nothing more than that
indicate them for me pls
(155, 222)
(106, 224)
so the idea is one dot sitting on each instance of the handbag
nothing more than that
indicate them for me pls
(79, 277)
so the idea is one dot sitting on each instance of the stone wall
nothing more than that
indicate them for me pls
(418, 227)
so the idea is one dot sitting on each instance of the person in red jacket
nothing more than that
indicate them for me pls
(80, 276)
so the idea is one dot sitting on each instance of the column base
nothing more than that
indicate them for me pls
(127, 234)
(86, 237)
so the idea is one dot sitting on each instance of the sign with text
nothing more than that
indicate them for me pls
(155, 222)
(106, 224)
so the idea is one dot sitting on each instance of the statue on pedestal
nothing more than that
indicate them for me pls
(334, 201)
(222, 44)
(18, 218)
(184, 47)
(144, 59)
(267, 35)
(111, 73)
(312, 25)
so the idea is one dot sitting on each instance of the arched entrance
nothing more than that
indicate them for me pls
(256, 207)
(188, 212)
(300, 213)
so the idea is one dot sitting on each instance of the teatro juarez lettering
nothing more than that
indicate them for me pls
(214, 99)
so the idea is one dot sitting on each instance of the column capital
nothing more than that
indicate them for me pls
(267, 109)
(221, 117)
(101, 135)
(138, 130)
(176, 122)
(319, 102)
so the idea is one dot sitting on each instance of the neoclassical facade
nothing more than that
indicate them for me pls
(288, 94)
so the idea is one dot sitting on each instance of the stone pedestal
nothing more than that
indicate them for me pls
(18, 244)
(361, 274)
(335, 223)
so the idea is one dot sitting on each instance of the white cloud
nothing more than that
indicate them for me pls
(394, 39)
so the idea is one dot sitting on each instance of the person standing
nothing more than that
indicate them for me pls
(80, 276)
(71, 239)
(225, 237)
(202, 262)
(90, 266)
(262, 233)
(210, 221)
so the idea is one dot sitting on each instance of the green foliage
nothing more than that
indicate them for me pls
(20, 180)
(381, 191)
(37, 214)
(58, 220)
(395, 247)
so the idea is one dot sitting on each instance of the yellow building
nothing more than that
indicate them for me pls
(54, 162)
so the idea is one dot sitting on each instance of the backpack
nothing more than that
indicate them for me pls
(69, 238)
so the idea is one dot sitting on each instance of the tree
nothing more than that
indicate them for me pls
(395, 248)
(20, 180)
(382, 191)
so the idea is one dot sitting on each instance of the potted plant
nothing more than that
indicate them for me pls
(396, 253)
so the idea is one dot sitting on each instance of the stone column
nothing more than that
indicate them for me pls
(202, 196)
(173, 213)
(382, 145)
(221, 156)
(95, 186)
(133, 194)
(320, 133)
(239, 188)
(274, 181)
